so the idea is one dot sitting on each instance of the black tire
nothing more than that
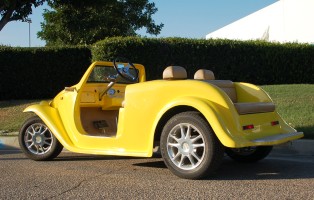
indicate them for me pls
(249, 154)
(193, 157)
(37, 141)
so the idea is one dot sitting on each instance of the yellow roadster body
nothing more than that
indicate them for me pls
(127, 118)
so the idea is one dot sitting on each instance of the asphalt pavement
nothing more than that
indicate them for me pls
(296, 147)
(81, 176)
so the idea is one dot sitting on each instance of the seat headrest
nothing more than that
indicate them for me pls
(174, 73)
(204, 74)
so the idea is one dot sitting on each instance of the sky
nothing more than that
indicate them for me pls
(181, 18)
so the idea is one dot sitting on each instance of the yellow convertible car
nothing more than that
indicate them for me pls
(113, 110)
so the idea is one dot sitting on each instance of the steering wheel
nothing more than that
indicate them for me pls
(125, 71)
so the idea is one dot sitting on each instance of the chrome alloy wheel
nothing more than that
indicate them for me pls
(38, 139)
(186, 146)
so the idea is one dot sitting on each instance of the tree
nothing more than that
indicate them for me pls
(14, 10)
(73, 22)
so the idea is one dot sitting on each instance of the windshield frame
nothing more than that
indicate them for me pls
(104, 74)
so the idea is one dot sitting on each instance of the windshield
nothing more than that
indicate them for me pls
(103, 74)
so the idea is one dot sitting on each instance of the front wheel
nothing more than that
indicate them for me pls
(37, 141)
(249, 154)
(189, 147)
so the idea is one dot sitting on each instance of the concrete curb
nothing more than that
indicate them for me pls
(9, 143)
(299, 147)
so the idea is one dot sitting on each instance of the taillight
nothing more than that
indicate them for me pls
(248, 127)
(274, 123)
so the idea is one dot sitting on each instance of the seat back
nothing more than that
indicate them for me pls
(204, 74)
(174, 73)
(226, 85)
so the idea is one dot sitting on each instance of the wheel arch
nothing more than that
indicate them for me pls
(207, 110)
(167, 116)
(36, 142)
(50, 117)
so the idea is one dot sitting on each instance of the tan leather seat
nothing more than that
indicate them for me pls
(174, 73)
(226, 85)
(204, 74)
(229, 88)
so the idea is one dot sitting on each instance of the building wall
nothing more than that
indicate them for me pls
(283, 21)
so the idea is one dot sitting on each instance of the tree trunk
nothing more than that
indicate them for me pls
(6, 17)
(3, 22)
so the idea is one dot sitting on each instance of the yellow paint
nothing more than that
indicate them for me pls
(145, 103)
(247, 92)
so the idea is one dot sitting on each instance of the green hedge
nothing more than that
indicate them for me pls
(37, 73)
(253, 61)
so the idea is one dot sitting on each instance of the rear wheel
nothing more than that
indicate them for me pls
(189, 147)
(37, 141)
(249, 154)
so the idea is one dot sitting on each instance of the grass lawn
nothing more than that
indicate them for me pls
(295, 103)
(11, 114)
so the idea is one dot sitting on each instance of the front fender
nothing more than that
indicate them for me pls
(220, 119)
(51, 118)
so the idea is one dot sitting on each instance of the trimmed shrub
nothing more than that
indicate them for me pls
(256, 62)
(37, 73)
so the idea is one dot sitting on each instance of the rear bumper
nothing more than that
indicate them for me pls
(277, 139)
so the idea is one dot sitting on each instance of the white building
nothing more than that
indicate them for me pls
(283, 21)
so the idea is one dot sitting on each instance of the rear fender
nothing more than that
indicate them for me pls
(247, 92)
(51, 118)
(221, 127)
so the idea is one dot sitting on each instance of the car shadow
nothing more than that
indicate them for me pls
(70, 156)
(11, 151)
(154, 164)
(7, 149)
(280, 167)
(67, 156)
(73, 157)
(307, 130)
(267, 169)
